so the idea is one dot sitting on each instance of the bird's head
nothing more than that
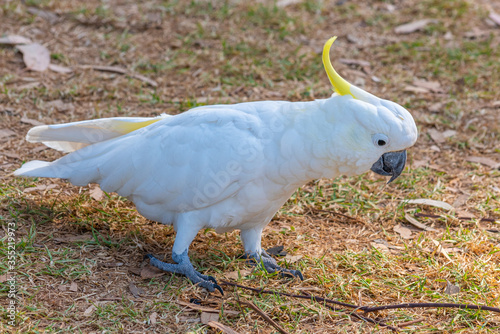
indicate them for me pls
(384, 129)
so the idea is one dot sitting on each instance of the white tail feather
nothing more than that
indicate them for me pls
(70, 137)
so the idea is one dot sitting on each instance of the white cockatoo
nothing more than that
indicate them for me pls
(229, 166)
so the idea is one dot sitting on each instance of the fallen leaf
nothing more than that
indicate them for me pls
(149, 271)
(494, 17)
(30, 121)
(460, 200)
(136, 292)
(404, 232)
(62, 288)
(223, 328)
(60, 69)
(451, 289)
(44, 14)
(206, 317)
(6, 133)
(440, 137)
(59, 105)
(28, 85)
(152, 318)
(36, 56)
(408, 28)
(484, 161)
(432, 86)
(10, 155)
(418, 224)
(14, 40)
(276, 251)
(413, 89)
(431, 202)
(285, 3)
(441, 250)
(292, 258)
(74, 238)
(380, 247)
(96, 193)
(73, 287)
(237, 274)
(355, 62)
(88, 312)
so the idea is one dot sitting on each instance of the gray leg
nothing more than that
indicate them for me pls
(185, 234)
(251, 241)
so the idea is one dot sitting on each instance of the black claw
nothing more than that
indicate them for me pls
(217, 286)
(211, 278)
(148, 256)
(299, 275)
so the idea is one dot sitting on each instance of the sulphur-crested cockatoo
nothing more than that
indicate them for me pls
(229, 166)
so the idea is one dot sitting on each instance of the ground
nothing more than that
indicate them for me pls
(79, 253)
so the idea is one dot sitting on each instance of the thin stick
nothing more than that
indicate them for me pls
(264, 316)
(315, 298)
(367, 309)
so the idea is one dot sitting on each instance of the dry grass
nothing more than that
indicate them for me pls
(206, 52)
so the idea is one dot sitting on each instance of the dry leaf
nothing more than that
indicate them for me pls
(152, 318)
(460, 200)
(236, 274)
(30, 121)
(223, 328)
(44, 14)
(494, 17)
(6, 133)
(59, 105)
(432, 86)
(96, 193)
(441, 250)
(380, 247)
(149, 271)
(88, 312)
(136, 292)
(440, 137)
(14, 40)
(413, 89)
(36, 56)
(362, 63)
(431, 202)
(73, 287)
(3, 278)
(418, 224)
(451, 289)
(413, 26)
(292, 258)
(484, 161)
(404, 232)
(60, 69)
(285, 3)
(206, 317)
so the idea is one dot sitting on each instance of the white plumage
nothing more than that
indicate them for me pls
(225, 166)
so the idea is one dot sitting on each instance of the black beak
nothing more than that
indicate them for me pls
(390, 164)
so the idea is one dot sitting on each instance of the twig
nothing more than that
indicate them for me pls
(120, 70)
(367, 309)
(338, 214)
(264, 316)
(221, 327)
(430, 215)
(315, 298)
(408, 323)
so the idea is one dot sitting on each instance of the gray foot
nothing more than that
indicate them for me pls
(184, 267)
(271, 266)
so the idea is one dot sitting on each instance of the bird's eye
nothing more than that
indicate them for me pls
(380, 140)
